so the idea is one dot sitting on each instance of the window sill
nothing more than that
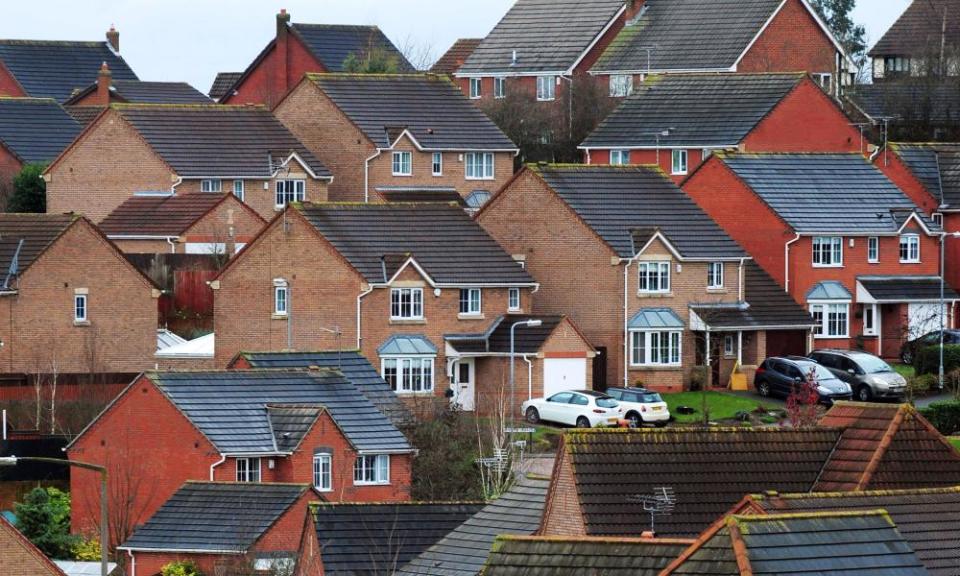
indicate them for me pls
(678, 173)
(483, 179)
(717, 290)
(828, 265)
(654, 294)
(873, 261)
(911, 262)
(402, 175)
(844, 337)
(279, 316)
(514, 310)
(435, 175)
(471, 317)
(425, 394)
(407, 321)
(355, 483)
(322, 490)
(81, 323)
(652, 367)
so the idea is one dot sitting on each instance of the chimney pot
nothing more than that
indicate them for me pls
(113, 37)
(648, 534)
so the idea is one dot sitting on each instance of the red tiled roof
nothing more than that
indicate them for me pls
(454, 58)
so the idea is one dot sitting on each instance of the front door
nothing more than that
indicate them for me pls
(600, 369)
(464, 387)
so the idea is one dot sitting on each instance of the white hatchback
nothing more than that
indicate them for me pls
(580, 408)
(641, 406)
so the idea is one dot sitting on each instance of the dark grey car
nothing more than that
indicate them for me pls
(870, 377)
(780, 376)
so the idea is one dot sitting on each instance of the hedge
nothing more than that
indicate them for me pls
(927, 360)
(945, 416)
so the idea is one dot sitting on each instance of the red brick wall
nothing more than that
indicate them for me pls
(8, 84)
(214, 226)
(270, 80)
(793, 42)
(9, 167)
(263, 199)
(896, 170)
(563, 515)
(18, 557)
(650, 158)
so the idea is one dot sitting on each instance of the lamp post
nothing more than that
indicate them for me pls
(104, 518)
(338, 333)
(943, 303)
(526, 324)
(659, 134)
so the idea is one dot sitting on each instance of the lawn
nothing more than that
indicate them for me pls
(955, 442)
(722, 406)
(904, 370)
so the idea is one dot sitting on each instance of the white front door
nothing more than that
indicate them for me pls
(464, 388)
(922, 318)
(561, 374)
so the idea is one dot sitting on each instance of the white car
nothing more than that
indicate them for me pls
(641, 406)
(580, 408)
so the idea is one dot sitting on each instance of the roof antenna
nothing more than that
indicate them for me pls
(14, 265)
(660, 503)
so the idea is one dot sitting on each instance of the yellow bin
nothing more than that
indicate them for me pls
(738, 380)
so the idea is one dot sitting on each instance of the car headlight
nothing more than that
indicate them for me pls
(823, 390)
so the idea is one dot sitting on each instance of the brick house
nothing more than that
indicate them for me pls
(640, 555)
(19, 557)
(235, 528)
(403, 133)
(838, 235)
(914, 109)
(722, 36)
(303, 426)
(299, 49)
(677, 121)
(193, 223)
(428, 309)
(180, 149)
(455, 56)
(924, 41)
(32, 130)
(221, 84)
(585, 231)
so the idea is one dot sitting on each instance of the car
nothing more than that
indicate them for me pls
(641, 406)
(580, 408)
(869, 376)
(909, 350)
(779, 376)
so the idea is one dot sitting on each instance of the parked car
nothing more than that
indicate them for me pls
(641, 406)
(580, 408)
(779, 376)
(909, 350)
(869, 376)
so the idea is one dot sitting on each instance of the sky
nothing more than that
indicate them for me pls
(192, 40)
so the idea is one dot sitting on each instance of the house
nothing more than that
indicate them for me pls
(180, 149)
(915, 109)
(924, 41)
(191, 223)
(722, 36)
(303, 426)
(404, 133)
(298, 49)
(643, 272)
(838, 235)
(677, 121)
(19, 557)
(855, 447)
(350, 539)
(455, 56)
(233, 526)
(429, 310)
(32, 131)
(222, 83)
(55, 69)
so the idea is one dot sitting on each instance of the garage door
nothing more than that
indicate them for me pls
(561, 374)
(923, 318)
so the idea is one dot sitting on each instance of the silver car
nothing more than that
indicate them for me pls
(870, 377)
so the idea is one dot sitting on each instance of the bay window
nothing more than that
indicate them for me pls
(828, 251)
(406, 303)
(371, 469)
(654, 277)
(831, 320)
(479, 166)
(659, 348)
(408, 374)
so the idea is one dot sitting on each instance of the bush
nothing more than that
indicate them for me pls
(921, 385)
(444, 468)
(44, 518)
(698, 378)
(945, 416)
(182, 568)
(86, 550)
(927, 360)
(29, 190)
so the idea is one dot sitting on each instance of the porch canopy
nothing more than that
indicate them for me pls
(902, 289)
(495, 340)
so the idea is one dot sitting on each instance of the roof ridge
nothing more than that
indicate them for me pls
(419, 75)
(409, 503)
(607, 539)
(28, 99)
(90, 43)
(857, 494)
(175, 106)
(740, 551)
(809, 515)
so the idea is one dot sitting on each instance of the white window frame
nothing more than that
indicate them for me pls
(729, 347)
(474, 306)
(679, 162)
(211, 185)
(714, 275)
(281, 298)
(81, 309)
(621, 85)
(513, 300)
(406, 310)
(479, 166)
(619, 157)
(499, 87)
(912, 242)
(323, 472)
(249, 474)
(289, 190)
(652, 348)
(436, 164)
(822, 312)
(646, 274)
(476, 88)
(870, 328)
(829, 246)
(401, 163)
(873, 249)
(238, 189)
(377, 464)
(546, 88)
(409, 375)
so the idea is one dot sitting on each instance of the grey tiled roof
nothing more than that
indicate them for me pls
(230, 408)
(54, 69)
(829, 290)
(84, 114)
(548, 36)
(222, 83)
(908, 101)
(140, 92)
(906, 288)
(699, 110)
(331, 44)
(496, 339)
(217, 141)
(769, 305)
(216, 517)
(430, 107)
(687, 35)
(35, 129)
(919, 29)
(937, 166)
(616, 200)
(465, 549)
(576, 556)
(827, 193)
(38, 232)
(442, 238)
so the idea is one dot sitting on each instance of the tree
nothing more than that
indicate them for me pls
(374, 59)
(29, 190)
(44, 518)
(852, 36)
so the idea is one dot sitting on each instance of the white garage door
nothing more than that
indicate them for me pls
(561, 374)
(923, 318)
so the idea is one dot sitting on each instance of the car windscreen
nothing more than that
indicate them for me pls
(607, 403)
(819, 372)
(872, 364)
(651, 397)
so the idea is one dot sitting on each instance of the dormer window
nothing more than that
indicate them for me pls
(289, 191)
(406, 303)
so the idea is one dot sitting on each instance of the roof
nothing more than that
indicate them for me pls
(16, 548)
(373, 539)
(223, 82)
(455, 56)
(200, 347)
(35, 129)
(919, 30)
(331, 44)
(223, 517)
(829, 290)
(429, 107)
(699, 110)
(38, 232)
(54, 69)
(496, 338)
(420, 194)
(907, 100)
(558, 556)
(768, 305)
(455, 251)
(835, 543)
(687, 35)
(937, 166)
(464, 550)
(84, 115)
(406, 344)
(216, 141)
(140, 92)
(824, 193)
(547, 35)
(906, 288)
(614, 201)
(160, 215)
(82, 568)
(230, 408)
(655, 319)
(354, 366)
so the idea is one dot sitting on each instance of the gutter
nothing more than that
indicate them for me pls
(223, 458)
(786, 262)
(366, 179)
(359, 298)
(180, 551)
(626, 321)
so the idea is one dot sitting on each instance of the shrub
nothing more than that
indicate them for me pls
(927, 360)
(86, 550)
(44, 518)
(945, 416)
(29, 190)
(698, 378)
(920, 385)
(182, 568)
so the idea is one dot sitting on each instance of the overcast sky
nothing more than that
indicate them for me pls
(192, 40)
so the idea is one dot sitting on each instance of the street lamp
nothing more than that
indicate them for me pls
(943, 303)
(660, 134)
(526, 324)
(104, 518)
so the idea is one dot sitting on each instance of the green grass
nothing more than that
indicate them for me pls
(722, 406)
(904, 370)
(955, 442)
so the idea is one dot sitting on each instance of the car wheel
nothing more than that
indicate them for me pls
(864, 394)
(634, 419)
(582, 422)
(533, 416)
(763, 388)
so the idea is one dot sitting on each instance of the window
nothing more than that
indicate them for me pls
(679, 162)
(238, 189)
(873, 249)
(210, 185)
(499, 87)
(281, 298)
(402, 164)
(828, 251)
(470, 301)
(715, 275)
(480, 166)
(621, 85)
(619, 157)
(323, 472)
(830, 320)
(937, 218)
(79, 307)
(546, 87)
(869, 319)
(406, 303)
(896, 64)
(248, 469)
(513, 299)
(825, 80)
(655, 348)
(289, 191)
(409, 375)
(371, 469)
(654, 277)
(475, 87)
(910, 248)
(729, 348)
(437, 163)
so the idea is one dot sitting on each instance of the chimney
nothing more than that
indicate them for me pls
(104, 80)
(634, 8)
(648, 535)
(113, 37)
(280, 82)
(283, 20)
